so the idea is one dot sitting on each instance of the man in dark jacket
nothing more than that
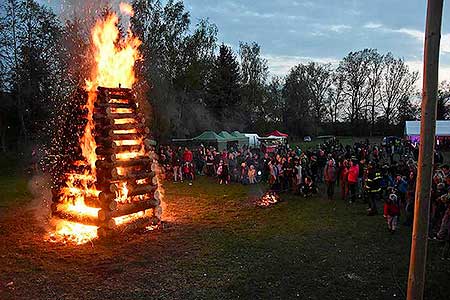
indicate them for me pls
(373, 188)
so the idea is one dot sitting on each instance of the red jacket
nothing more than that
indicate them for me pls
(187, 156)
(353, 173)
(391, 209)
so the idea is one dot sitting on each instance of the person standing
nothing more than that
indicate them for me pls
(329, 176)
(373, 187)
(352, 179)
(343, 180)
(392, 212)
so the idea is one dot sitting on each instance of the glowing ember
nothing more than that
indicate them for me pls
(268, 199)
(72, 232)
(124, 121)
(125, 131)
(128, 218)
(128, 142)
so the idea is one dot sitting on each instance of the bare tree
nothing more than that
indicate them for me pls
(376, 67)
(397, 82)
(355, 68)
(336, 97)
(319, 80)
(443, 109)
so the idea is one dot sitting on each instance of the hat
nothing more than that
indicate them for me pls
(393, 197)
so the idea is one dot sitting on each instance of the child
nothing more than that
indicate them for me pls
(392, 212)
(308, 187)
(252, 175)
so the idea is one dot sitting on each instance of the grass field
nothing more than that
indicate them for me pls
(216, 244)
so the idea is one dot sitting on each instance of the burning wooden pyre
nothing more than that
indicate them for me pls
(121, 192)
(110, 183)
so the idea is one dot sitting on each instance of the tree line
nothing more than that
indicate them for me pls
(190, 82)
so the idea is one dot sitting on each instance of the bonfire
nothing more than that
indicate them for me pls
(114, 187)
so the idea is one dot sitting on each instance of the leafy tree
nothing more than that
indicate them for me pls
(224, 86)
(298, 108)
(30, 39)
(407, 110)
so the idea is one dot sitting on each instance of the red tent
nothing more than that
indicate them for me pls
(277, 133)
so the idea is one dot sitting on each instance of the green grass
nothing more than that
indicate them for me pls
(307, 248)
(13, 186)
(217, 244)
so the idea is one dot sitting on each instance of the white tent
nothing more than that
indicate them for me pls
(412, 128)
(253, 139)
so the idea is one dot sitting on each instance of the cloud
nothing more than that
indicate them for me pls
(256, 14)
(339, 28)
(303, 3)
(280, 65)
(371, 25)
(418, 35)
(417, 66)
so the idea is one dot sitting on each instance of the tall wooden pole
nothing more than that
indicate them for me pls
(417, 265)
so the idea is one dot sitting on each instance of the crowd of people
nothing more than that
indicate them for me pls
(383, 176)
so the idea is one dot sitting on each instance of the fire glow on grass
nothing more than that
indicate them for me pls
(114, 58)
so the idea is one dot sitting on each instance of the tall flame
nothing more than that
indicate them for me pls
(114, 58)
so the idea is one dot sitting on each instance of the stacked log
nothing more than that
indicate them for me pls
(117, 122)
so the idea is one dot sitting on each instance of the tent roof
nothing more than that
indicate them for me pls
(239, 136)
(277, 133)
(251, 135)
(224, 134)
(412, 128)
(209, 136)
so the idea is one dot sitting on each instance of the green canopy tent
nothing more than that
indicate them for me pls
(231, 140)
(210, 138)
(242, 139)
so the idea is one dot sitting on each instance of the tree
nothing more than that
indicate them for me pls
(397, 83)
(254, 76)
(376, 67)
(319, 80)
(271, 107)
(407, 110)
(224, 86)
(30, 39)
(355, 69)
(176, 65)
(336, 99)
(443, 109)
(297, 94)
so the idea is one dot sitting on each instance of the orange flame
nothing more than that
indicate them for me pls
(114, 57)
(114, 62)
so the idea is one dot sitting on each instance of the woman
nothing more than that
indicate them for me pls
(343, 179)
(352, 179)
(329, 176)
